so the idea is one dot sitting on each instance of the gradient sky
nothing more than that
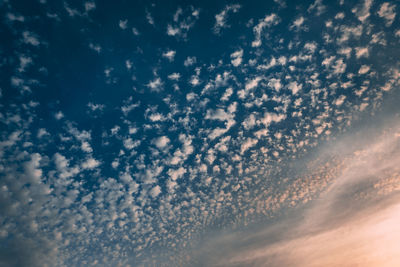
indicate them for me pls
(199, 133)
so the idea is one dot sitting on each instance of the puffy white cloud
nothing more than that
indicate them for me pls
(363, 69)
(155, 191)
(155, 85)
(59, 115)
(218, 114)
(268, 21)
(90, 164)
(175, 174)
(387, 12)
(123, 24)
(340, 100)
(170, 55)
(174, 76)
(30, 38)
(189, 61)
(161, 142)
(295, 87)
(253, 83)
(362, 52)
(183, 21)
(362, 10)
(236, 57)
(248, 143)
(221, 18)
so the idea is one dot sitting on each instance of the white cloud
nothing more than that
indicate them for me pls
(217, 132)
(170, 55)
(177, 173)
(268, 21)
(227, 94)
(189, 61)
(248, 143)
(59, 115)
(172, 31)
(362, 52)
(42, 132)
(362, 11)
(221, 18)
(90, 164)
(129, 143)
(161, 142)
(253, 83)
(387, 12)
(95, 107)
(340, 100)
(24, 62)
(194, 80)
(271, 117)
(149, 18)
(275, 84)
(123, 24)
(294, 87)
(135, 31)
(183, 21)
(30, 38)
(95, 47)
(218, 114)
(156, 117)
(298, 23)
(155, 191)
(363, 69)
(129, 107)
(14, 17)
(89, 6)
(174, 76)
(249, 122)
(236, 57)
(155, 85)
(339, 67)
(318, 7)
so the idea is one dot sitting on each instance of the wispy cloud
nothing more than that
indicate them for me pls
(347, 224)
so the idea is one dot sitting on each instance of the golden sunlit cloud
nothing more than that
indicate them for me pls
(353, 221)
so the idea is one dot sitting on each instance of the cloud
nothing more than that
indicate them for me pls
(387, 12)
(237, 57)
(161, 142)
(182, 24)
(189, 61)
(90, 164)
(221, 18)
(170, 55)
(318, 7)
(362, 52)
(30, 38)
(174, 76)
(362, 11)
(155, 85)
(348, 223)
(268, 21)
(155, 191)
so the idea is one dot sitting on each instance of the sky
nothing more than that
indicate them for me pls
(199, 133)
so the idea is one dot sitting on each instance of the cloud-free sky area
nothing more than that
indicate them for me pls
(199, 133)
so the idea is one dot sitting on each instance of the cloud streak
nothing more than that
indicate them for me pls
(351, 222)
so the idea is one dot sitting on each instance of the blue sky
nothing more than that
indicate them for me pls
(147, 133)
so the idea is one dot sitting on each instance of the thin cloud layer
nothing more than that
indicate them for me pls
(353, 221)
